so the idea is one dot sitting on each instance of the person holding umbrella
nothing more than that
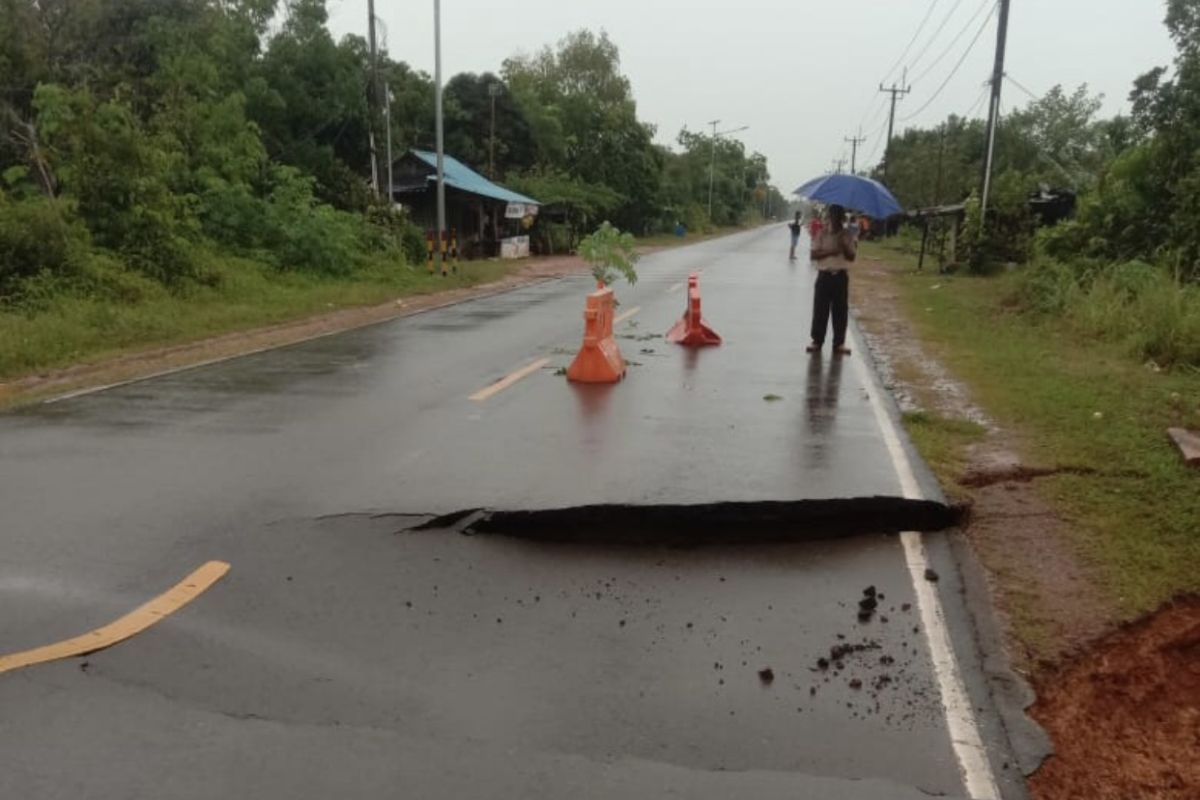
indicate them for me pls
(833, 251)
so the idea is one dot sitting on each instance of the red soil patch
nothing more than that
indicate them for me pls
(1125, 716)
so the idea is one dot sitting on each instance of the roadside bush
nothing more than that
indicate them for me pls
(1047, 286)
(556, 237)
(413, 242)
(1152, 312)
(38, 237)
(115, 171)
(306, 235)
(695, 219)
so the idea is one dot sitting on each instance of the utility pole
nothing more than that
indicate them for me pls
(854, 142)
(439, 262)
(838, 165)
(373, 96)
(493, 90)
(994, 108)
(387, 119)
(937, 195)
(895, 92)
(712, 162)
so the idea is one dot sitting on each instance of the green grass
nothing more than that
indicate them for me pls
(1079, 401)
(942, 442)
(70, 329)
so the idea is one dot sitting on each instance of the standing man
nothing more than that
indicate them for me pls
(833, 251)
(795, 227)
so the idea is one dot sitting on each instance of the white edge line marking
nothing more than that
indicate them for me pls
(675, 287)
(509, 379)
(621, 318)
(965, 738)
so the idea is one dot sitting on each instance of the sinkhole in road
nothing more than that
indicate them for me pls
(705, 523)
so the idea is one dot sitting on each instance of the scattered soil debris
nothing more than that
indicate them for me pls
(931, 575)
(772, 398)
(1123, 715)
(855, 683)
(560, 371)
(766, 675)
(867, 605)
(906, 607)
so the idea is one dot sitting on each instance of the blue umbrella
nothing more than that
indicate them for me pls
(855, 193)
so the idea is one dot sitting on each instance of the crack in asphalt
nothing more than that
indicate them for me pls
(707, 523)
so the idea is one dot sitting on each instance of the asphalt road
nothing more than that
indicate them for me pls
(348, 654)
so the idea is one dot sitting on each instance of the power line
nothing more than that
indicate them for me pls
(899, 61)
(954, 71)
(957, 38)
(912, 41)
(978, 101)
(945, 21)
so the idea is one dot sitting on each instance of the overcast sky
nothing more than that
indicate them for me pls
(801, 74)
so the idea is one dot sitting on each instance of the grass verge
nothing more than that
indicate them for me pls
(1074, 401)
(68, 329)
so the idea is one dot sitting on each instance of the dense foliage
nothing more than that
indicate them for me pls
(1127, 264)
(151, 139)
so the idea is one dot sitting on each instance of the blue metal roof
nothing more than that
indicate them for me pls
(459, 176)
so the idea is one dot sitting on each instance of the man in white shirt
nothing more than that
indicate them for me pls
(833, 251)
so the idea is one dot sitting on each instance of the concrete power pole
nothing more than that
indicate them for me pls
(712, 165)
(387, 120)
(373, 96)
(854, 142)
(895, 92)
(994, 108)
(439, 262)
(493, 90)
(712, 161)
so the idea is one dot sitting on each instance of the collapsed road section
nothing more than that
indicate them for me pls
(707, 523)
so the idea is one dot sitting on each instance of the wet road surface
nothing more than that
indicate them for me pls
(348, 654)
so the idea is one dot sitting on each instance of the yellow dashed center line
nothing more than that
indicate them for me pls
(509, 380)
(622, 317)
(119, 630)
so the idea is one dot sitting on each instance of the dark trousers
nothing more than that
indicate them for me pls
(832, 294)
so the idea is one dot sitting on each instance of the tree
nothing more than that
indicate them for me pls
(468, 121)
(584, 121)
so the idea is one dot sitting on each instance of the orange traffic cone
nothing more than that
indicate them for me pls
(599, 360)
(692, 330)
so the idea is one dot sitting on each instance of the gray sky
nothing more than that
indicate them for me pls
(802, 74)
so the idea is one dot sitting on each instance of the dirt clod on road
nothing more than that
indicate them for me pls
(1125, 715)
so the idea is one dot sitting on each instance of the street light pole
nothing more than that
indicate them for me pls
(712, 164)
(439, 264)
(712, 161)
